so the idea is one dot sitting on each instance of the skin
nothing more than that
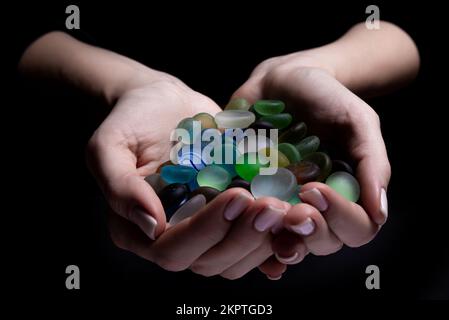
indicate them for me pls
(319, 84)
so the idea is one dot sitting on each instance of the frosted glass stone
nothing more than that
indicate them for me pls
(260, 124)
(156, 182)
(294, 134)
(345, 184)
(308, 145)
(305, 171)
(234, 119)
(238, 104)
(323, 161)
(253, 143)
(207, 121)
(269, 107)
(282, 160)
(279, 121)
(290, 152)
(215, 177)
(281, 185)
(229, 156)
(178, 174)
(249, 164)
(188, 124)
(188, 209)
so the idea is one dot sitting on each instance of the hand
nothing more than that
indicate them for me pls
(229, 237)
(325, 220)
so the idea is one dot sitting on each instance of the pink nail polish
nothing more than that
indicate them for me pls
(304, 229)
(315, 198)
(268, 218)
(236, 207)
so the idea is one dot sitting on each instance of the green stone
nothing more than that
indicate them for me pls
(295, 134)
(207, 121)
(345, 184)
(269, 107)
(215, 177)
(294, 200)
(308, 145)
(188, 124)
(290, 152)
(248, 165)
(279, 121)
(238, 104)
(323, 161)
(234, 119)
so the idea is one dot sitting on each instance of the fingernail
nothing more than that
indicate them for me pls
(277, 227)
(384, 203)
(304, 229)
(274, 278)
(287, 260)
(236, 206)
(268, 218)
(315, 197)
(146, 222)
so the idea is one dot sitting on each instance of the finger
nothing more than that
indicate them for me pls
(251, 90)
(347, 220)
(251, 261)
(248, 232)
(272, 268)
(180, 245)
(114, 166)
(289, 247)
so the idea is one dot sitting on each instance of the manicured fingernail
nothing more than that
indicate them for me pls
(274, 278)
(304, 229)
(384, 203)
(146, 222)
(287, 260)
(236, 206)
(268, 218)
(277, 227)
(315, 197)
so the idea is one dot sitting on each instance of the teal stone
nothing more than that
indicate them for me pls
(279, 121)
(228, 159)
(248, 165)
(345, 184)
(308, 145)
(234, 119)
(188, 209)
(215, 177)
(290, 152)
(188, 124)
(281, 185)
(323, 161)
(294, 200)
(269, 107)
(178, 174)
(294, 134)
(238, 104)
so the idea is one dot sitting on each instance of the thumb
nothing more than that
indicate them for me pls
(251, 90)
(128, 194)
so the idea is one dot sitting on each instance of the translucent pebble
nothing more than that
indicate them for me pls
(281, 185)
(207, 121)
(254, 143)
(269, 107)
(188, 124)
(188, 209)
(345, 184)
(308, 145)
(282, 160)
(156, 182)
(294, 200)
(260, 124)
(305, 171)
(191, 159)
(279, 121)
(290, 152)
(323, 161)
(238, 104)
(172, 197)
(294, 134)
(178, 174)
(249, 164)
(234, 119)
(208, 192)
(215, 177)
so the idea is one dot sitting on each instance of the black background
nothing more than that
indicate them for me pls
(59, 214)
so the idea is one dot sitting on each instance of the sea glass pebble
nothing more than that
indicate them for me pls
(240, 183)
(340, 165)
(156, 182)
(290, 152)
(269, 107)
(238, 104)
(188, 209)
(178, 174)
(208, 192)
(254, 143)
(281, 185)
(282, 160)
(323, 161)
(229, 156)
(294, 134)
(345, 184)
(207, 121)
(279, 121)
(308, 145)
(191, 159)
(172, 197)
(248, 165)
(215, 177)
(166, 163)
(305, 171)
(294, 200)
(260, 124)
(188, 124)
(234, 119)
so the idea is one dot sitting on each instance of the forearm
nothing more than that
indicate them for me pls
(369, 62)
(57, 56)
